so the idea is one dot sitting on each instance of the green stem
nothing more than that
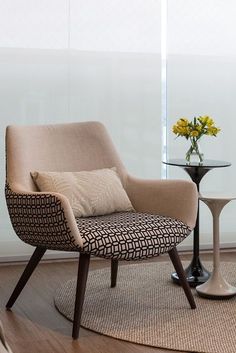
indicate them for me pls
(193, 148)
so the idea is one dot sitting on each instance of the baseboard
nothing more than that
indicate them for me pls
(17, 251)
(205, 247)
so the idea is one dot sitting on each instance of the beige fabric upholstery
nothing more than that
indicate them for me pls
(171, 198)
(94, 193)
(61, 147)
(85, 146)
(46, 219)
(4, 347)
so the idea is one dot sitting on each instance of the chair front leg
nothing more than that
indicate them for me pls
(114, 269)
(32, 264)
(84, 260)
(174, 256)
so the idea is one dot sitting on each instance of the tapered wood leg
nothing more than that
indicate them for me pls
(32, 264)
(84, 260)
(174, 256)
(114, 269)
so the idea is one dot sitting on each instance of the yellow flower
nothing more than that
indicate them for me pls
(213, 131)
(183, 122)
(194, 133)
(210, 122)
(175, 129)
(206, 120)
(181, 130)
(187, 131)
(195, 129)
(198, 128)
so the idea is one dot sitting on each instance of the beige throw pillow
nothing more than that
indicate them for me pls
(90, 193)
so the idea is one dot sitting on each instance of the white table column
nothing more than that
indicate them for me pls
(216, 286)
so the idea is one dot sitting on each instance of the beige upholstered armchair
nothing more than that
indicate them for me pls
(165, 210)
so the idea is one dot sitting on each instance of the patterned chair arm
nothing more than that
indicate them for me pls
(43, 219)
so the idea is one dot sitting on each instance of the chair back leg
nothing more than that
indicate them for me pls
(174, 256)
(32, 264)
(84, 260)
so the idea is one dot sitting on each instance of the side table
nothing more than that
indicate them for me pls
(196, 274)
(216, 287)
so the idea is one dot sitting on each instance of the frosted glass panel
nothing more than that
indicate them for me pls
(123, 91)
(203, 27)
(64, 61)
(34, 24)
(116, 75)
(34, 90)
(202, 80)
(34, 85)
(116, 25)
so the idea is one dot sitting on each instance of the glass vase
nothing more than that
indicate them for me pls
(194, 153)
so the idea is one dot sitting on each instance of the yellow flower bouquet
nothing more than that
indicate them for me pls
(193, 131)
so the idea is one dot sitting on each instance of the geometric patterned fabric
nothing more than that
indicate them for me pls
(130, 235)
(39, 220)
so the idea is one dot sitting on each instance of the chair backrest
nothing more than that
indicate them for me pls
(59, 147)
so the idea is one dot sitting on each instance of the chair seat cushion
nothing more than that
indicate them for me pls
(130, 235)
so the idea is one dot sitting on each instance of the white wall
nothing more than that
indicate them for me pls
(76, 60)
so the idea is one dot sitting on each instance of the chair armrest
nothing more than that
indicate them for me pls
(173, 198)
(43, 219)
(4, 347)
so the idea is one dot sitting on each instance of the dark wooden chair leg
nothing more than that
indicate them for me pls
(84, 260)
(114, 269)
(174, 256)
(32, 264)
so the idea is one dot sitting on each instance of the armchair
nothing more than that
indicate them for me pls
(165, 210)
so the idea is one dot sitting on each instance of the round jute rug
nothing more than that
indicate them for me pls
(147, 308)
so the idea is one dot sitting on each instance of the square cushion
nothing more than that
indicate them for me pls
(90, 193)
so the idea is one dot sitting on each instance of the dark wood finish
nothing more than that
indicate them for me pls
(36, 326)
(114, 269)
(174, 256)
(32, 264)
(84, 260)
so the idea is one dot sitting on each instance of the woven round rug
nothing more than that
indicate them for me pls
(147, 308)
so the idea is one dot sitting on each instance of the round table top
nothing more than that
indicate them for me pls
(217, 196)
(207, 163)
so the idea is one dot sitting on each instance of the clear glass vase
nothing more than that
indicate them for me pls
(194, 153)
